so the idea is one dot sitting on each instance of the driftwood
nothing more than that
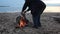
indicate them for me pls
(56, 18)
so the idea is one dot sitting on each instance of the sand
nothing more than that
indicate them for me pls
(49, 26)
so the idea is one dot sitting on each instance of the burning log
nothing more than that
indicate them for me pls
(22, 21)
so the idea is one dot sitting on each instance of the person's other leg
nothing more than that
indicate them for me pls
(36, 17)
(37, 14)
(40, 11)
(36, 20)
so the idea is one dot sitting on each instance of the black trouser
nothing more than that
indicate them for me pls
(36, 14)
(36, 20)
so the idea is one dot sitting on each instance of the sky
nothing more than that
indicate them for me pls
(16, 5)
(12, 3)
(52, 1)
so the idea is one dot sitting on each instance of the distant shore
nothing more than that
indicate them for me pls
(53, 9)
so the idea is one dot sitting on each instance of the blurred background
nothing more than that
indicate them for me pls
(16, 5)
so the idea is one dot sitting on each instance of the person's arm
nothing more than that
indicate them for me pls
(24, 7)
(26, 10)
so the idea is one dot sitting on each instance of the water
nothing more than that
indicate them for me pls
(10, 9)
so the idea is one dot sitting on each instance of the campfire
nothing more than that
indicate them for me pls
(21, 22)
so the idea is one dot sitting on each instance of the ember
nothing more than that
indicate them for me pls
(22, 22)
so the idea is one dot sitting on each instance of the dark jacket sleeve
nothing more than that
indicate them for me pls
(25, 6)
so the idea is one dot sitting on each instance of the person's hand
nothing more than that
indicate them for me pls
(23, 12)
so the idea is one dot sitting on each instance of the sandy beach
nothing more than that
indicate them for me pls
(49, 26)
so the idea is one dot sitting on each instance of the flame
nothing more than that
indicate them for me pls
(22, 23)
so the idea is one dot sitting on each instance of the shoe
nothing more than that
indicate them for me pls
(35, 27)
(39, 26)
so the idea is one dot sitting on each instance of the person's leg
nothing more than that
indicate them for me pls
(36, 14)
(40, 11)
(36, 20)
(36, 17)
